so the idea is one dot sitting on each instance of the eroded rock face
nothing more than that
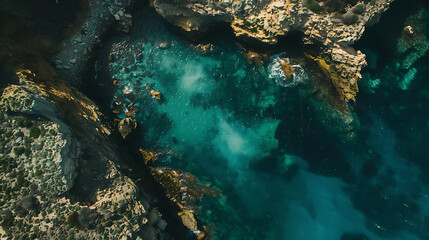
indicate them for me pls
(47, 130)
(53, 156)
(184, 190)
(61, 174)
(268, 20)
(77, 51)
(126, 126)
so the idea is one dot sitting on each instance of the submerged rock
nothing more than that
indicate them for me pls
(414, 42)
(412, 45)
(164, 44)
(354, 236)
(204, 48)
(342, 123)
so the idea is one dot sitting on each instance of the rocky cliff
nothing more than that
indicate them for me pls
(331, 25)
(63, 175)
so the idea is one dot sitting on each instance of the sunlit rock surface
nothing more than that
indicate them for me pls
(126, 126)
(54, 158)
(61, 175)
(267, 21)
(43, 189)
(184, 190)
(289, 158)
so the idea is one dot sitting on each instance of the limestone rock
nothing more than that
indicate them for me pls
(267, 21)
(287, 68)
(42, 167)
(48, 128)
(183, 189)
(150, 156)
(256, 58)
(204, 48)
(57, 160)
(188, 219)
(126, 126)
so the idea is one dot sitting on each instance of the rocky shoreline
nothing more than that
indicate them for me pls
(63, 175)
(62, 171)
(329, 30)
(78, 51)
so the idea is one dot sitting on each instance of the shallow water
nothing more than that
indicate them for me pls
(250, 133)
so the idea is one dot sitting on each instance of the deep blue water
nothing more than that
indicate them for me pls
(253, 135)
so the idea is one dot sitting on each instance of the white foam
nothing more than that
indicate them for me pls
(275, 71)
(277, 74)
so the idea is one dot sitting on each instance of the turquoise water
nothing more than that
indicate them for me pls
(249, 132)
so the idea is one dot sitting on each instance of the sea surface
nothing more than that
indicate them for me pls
(250, 133)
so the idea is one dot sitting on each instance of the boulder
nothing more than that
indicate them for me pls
(204, 48)
(126, 126)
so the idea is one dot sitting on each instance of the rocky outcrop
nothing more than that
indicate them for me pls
(78, 50)
(54, 155)
(126, 126)
(61, 174)
(184, 190)
(150, 156)
(266, 21)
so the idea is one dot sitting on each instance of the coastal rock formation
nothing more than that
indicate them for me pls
(54, 154)
(411, 46)
(61, 175)
(331, 31)
(126, 126)
(77, 51)
(184, 190)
